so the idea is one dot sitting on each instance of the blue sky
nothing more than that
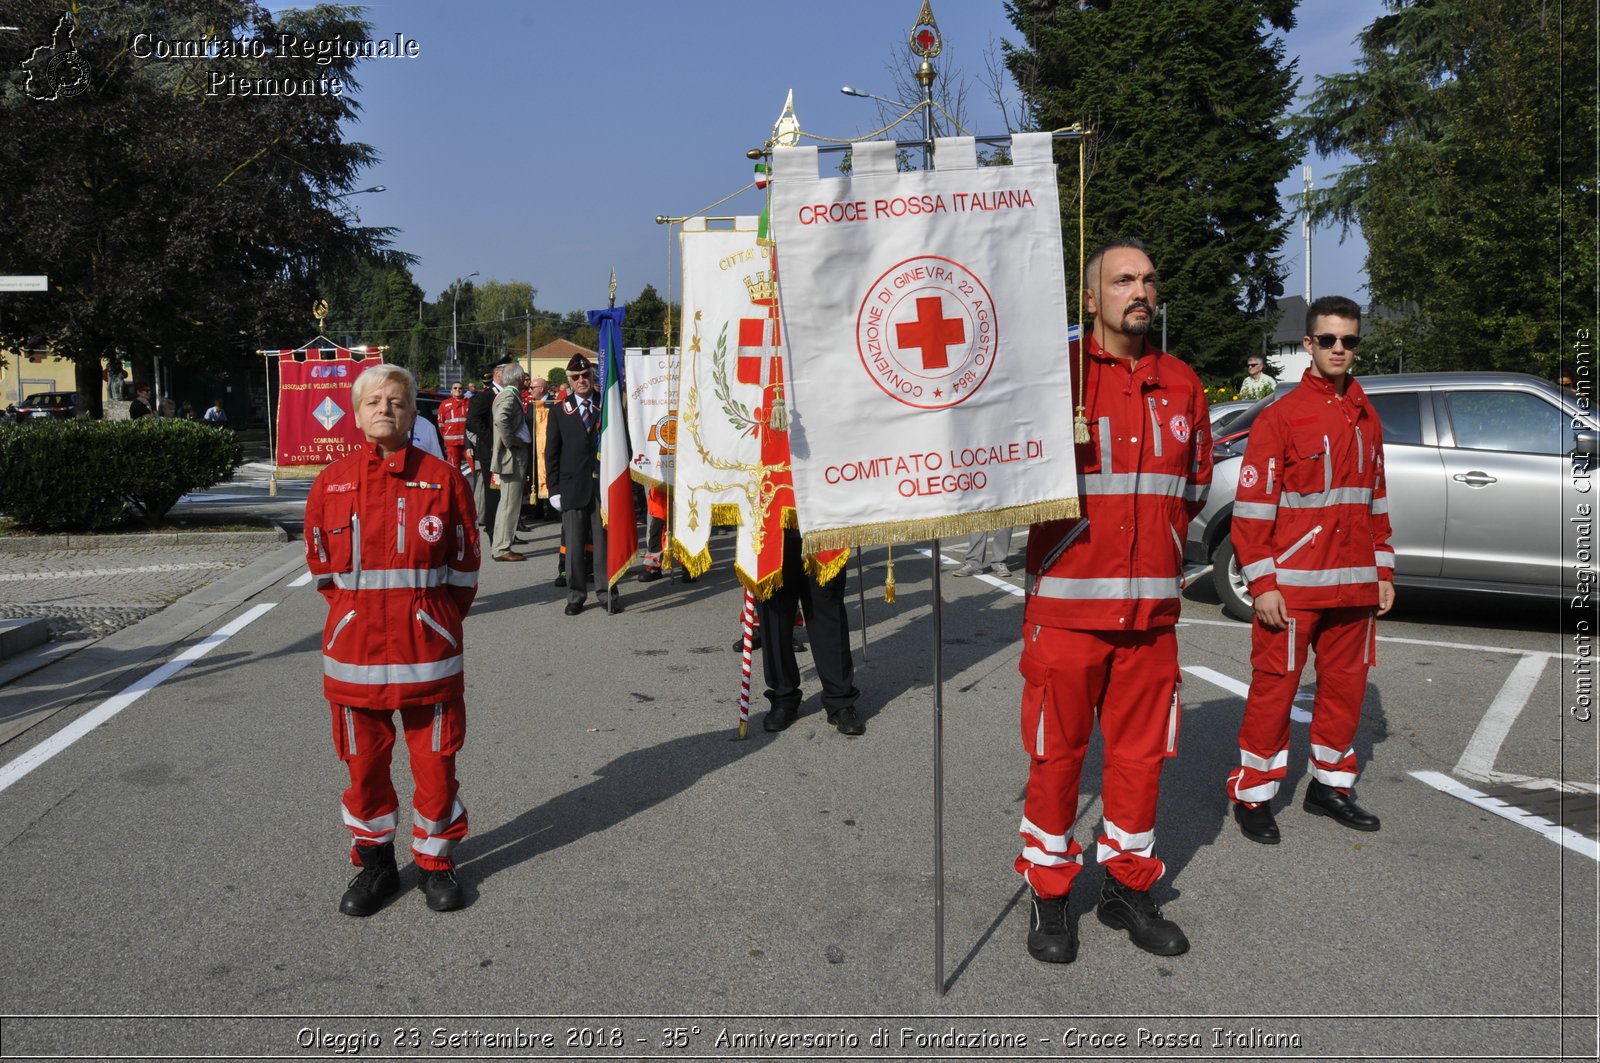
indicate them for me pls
(537, 140)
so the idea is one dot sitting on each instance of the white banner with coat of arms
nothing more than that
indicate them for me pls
(652, 375)
(926, 334)
(726, 277)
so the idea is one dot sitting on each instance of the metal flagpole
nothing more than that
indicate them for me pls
(926, 42)
(605, 358)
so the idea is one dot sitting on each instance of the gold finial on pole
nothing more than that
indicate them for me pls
(926, 40)
(319, 310)
(613, 286)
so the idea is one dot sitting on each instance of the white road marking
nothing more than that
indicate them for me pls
(1560, 835)
(1218, 680)
(305, 577)
(1484, 746)
(993, 581)
(65, 737)
(12, 577)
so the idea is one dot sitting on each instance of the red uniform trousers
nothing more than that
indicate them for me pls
(364, 739)
(1345, 641)
(1131, 679)
(456, 455)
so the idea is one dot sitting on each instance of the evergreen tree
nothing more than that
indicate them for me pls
(1473, 123)
(1186, 100)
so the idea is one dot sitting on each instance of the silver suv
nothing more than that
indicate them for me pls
(1478, 466)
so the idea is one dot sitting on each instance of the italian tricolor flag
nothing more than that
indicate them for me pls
(616, 485)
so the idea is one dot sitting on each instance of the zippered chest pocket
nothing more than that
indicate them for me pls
(333, 545)
(1306, 467)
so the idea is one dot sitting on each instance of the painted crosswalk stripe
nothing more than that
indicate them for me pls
(65, 737)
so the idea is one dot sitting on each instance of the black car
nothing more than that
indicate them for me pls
(48, 404)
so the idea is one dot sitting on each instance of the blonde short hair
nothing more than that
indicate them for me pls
(382, 373)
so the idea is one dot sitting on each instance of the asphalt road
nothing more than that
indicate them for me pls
(642, 885)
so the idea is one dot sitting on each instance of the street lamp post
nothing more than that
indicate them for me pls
(453, 363)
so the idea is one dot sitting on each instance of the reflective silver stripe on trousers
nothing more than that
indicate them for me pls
(1138, 587)
(1165, 485)
(439, 847)
(350, 729)
(381, 674)
(1256, 510)
(1290, 632)
(1328, 577)
(384, 824)
(438, 728)
(1277, 762)
(1342, 496)
(1055, 843)
(429, 826)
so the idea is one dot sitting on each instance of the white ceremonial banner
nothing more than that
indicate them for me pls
(727, 281)
(652, 375)
(925, 319)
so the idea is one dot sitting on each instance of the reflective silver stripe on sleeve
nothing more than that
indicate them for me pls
(456, 578)
(1158, 588)
(422, 615)
(1165, 485)
(390, 674)
(1328, 577)
(1257, 569)
(1384, 558)
(1255, 510)
(1105, 445)
(1272, 467)
(322, 551)
(1380, 505)
(461, 543)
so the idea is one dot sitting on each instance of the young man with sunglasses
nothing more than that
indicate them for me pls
(1311, 531)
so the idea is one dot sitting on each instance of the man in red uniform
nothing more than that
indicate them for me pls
(391, 541)
(1311, 532)
(453, 427)
(1098, 632)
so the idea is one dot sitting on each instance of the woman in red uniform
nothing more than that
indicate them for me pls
(392, 541)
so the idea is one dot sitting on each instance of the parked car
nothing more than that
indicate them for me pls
(1475, 464)
(428, 401)
(1225, 413)
(49, 404)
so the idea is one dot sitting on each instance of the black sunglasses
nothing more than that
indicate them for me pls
(1326, 341)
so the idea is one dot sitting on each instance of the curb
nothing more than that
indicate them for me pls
(41, 544)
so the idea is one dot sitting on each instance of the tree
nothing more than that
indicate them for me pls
(646, 321)
(174, 212)
(1472, 122)
(1186, 99)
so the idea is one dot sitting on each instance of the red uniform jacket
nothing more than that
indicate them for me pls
(1144, 472)
(393, 543)
(1311, 516)
(453, 422)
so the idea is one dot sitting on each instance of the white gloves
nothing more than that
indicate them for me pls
(555, 503)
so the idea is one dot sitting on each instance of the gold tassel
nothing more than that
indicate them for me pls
(778, 419)
(1080, 427)
(888, 584)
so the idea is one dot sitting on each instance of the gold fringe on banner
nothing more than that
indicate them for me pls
(639, 477)
(824, 571)
(888, 584)
(694, 564)
(761, 589)
(900, 531)
(725, 513)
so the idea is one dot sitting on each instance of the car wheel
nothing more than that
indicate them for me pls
(1229, 582)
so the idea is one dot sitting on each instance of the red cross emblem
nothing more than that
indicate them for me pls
(927, 332)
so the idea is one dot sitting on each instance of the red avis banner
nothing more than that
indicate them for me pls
(316, 419)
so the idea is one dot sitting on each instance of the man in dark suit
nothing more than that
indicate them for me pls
(571, 455)
(480, 436)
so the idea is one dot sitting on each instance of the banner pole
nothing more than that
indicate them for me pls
(747, 622)
(272, 440)
(938, 772)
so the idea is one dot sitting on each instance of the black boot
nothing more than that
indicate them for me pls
(1257, 823)
(376, 882)
(441, 889)
(1337, 805)
(1132, 910)
(1052, 937)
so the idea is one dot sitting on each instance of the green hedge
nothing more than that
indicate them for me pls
(86, 475)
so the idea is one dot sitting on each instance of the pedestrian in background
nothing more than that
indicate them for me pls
(1257, 384)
